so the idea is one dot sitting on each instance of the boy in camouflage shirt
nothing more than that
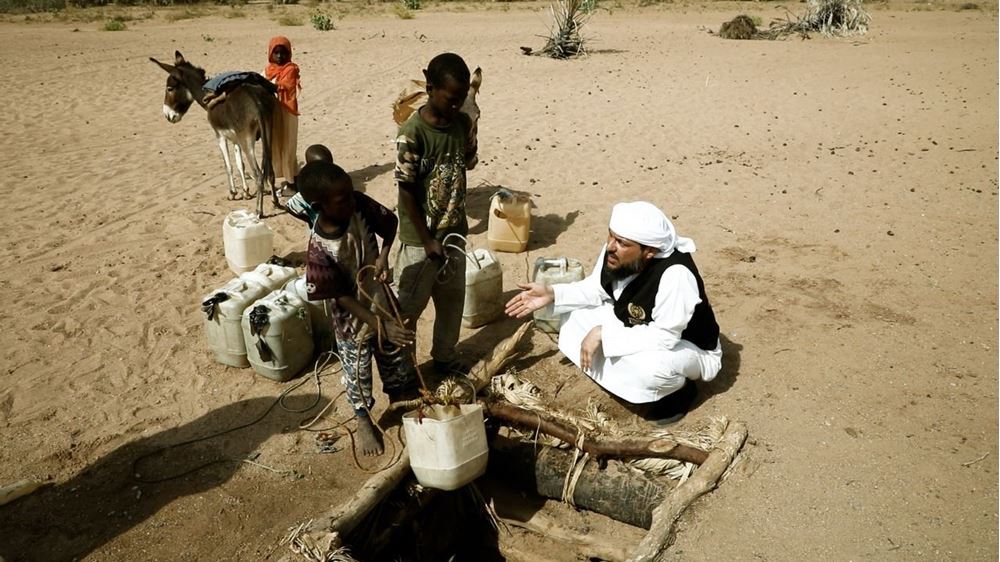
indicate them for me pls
(435, 147)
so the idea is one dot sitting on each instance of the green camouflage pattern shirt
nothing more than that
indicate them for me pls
(434, 159)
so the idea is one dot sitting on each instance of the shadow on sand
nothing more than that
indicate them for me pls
(545, 229)
(74, 518)
(361, 178)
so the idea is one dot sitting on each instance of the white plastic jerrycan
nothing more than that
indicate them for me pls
(247, 241)
(509, 222)
(223, 310)
(550, 272)
(271, 276)
(483, 285)
(278, 335)
(483, 289)
(447, 449)
(319, 314)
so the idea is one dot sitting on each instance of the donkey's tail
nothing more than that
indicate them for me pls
(265, 116)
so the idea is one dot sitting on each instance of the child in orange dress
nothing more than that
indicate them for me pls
(285, 75)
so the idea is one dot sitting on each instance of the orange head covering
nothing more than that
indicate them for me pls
(279, 41)
(286, 76)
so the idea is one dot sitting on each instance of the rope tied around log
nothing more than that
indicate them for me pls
(574, 471)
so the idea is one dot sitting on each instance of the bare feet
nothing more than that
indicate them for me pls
(369, 440)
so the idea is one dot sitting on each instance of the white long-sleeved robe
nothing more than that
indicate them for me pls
(640, 363)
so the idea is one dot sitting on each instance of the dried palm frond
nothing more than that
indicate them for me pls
(317, 546)
(839, 18)
(564, 40)
(833, 18)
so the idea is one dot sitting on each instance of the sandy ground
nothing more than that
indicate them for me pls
(843, 195)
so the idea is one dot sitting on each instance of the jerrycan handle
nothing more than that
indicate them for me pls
(561, 263)
(504, 195)
(277, 260)
(541, 264)
(471, 257)
(208, 305)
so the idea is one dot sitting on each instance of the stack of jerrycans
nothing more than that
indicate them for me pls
(224, 309)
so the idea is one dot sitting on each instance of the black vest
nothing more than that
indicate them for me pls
(635, 305)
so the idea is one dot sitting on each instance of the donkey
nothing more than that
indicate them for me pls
(241, 118)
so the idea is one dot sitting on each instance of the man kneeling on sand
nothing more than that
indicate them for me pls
(640, 325)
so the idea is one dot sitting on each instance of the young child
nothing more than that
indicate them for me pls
(296, 204)
(343, 241)
(435, 146)
(285, 75)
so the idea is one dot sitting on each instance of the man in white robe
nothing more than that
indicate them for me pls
(640, 325)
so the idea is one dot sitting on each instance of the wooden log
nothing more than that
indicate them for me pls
(599, 446)
(661, 533)
(20, 489)
(345, 517)
(615, 491)
(483, 372)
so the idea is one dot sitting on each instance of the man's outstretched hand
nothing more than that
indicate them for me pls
(533, 296)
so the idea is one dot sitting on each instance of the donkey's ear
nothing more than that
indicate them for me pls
(167, 67)
(477, 79)
(178, 57)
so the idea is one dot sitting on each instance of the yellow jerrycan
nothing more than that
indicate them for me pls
(509, 222)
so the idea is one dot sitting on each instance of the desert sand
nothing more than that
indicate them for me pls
(842, 194)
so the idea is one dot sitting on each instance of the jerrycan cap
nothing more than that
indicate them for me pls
(508, 196)
(503, 193)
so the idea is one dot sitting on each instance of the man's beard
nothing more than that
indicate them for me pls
(625, 269)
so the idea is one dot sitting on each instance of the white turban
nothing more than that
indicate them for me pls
(644, 223)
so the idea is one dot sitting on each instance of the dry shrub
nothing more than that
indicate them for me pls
(740, 27)
(114, 25)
